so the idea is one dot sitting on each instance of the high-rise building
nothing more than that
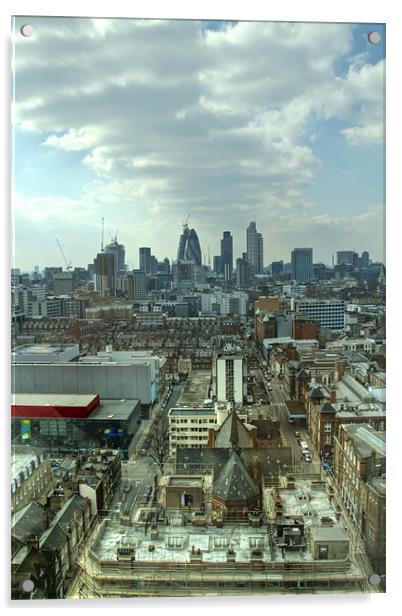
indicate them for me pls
(227, 255)
(242, 273)
(217, 263)
(255, 249)
(137, 285)
(346, 256)
(189, 246)
(145, 259)
(119, 253)
(302, 264)
(230, 378)
(276, 267)
(104, 269)
(364, 259)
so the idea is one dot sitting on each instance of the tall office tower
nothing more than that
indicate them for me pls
(189, 246)
(276, 267)
(365, 259)
(217, 263)
(154, 264)
(348, 257)
(119, 253)
(137, 285)
(145, 259)
(255, 249)
(104, 269)
(242, 273)
(302, 264)
(227, 255)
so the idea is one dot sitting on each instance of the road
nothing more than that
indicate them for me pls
(139, 472)
(278, 406)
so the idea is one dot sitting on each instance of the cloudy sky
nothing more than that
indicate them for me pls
(146, 122)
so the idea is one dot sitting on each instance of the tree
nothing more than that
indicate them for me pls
(159, 447)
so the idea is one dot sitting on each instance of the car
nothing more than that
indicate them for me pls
(297, 434)
(307, 457)
(148, 489)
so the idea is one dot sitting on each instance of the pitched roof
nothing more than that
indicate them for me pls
(316, 393)
(232, 432)
(327, 408)
(55, 536)
(235, 482)
(28, 521)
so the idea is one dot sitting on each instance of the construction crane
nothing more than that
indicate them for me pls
(67, 263)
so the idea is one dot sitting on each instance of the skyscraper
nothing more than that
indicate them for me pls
(104, 269)
(119, 253)
(227, 255)
(145, 259)
(242, 273)
(255, 249)
(302, 264)
(189, 246)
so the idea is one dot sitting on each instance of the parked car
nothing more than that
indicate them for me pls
(297, 434)
(307, 457)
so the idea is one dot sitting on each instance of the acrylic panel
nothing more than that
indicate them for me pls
(198, 308)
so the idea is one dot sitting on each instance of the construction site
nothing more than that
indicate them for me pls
(298, 541)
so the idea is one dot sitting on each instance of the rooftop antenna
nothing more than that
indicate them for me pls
(102, 233)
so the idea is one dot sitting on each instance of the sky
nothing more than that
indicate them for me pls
(147, 122)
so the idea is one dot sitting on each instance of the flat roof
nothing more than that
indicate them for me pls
(186, 482)
(198, 412)
(52, 399)
(42, 349)
(114, 410)
(196, 387)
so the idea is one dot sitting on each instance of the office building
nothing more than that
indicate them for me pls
(227, 255)
(348, 257)
(255, 249)
(137, 285)
(276, 267)
(302, 264)
(230, 378)
(242, 273)
(217, 264)
(189, 246)
(63, 283)
(145, 259)
(330, 313)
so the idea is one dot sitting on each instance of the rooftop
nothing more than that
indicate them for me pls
(196, 387)
(114, 409)
(52, 399)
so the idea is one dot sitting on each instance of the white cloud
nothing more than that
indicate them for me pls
(173, 118)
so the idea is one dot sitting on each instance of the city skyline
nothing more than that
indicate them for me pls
(301, 154)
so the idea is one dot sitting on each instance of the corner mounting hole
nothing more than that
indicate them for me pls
(374, 579)
(374, 37)
(27, 30)
(28, 585)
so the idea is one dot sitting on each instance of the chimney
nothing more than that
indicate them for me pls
(340, 370)
(333, 395)
(45, 519)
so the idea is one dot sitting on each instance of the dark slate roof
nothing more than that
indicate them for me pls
(28, 521)
(235, 482)
(191, 460)
(55, 536)
(316, 393)
(327, 408)
(233, 433)
(270, 461)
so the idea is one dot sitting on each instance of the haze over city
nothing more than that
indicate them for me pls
(274, 122)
